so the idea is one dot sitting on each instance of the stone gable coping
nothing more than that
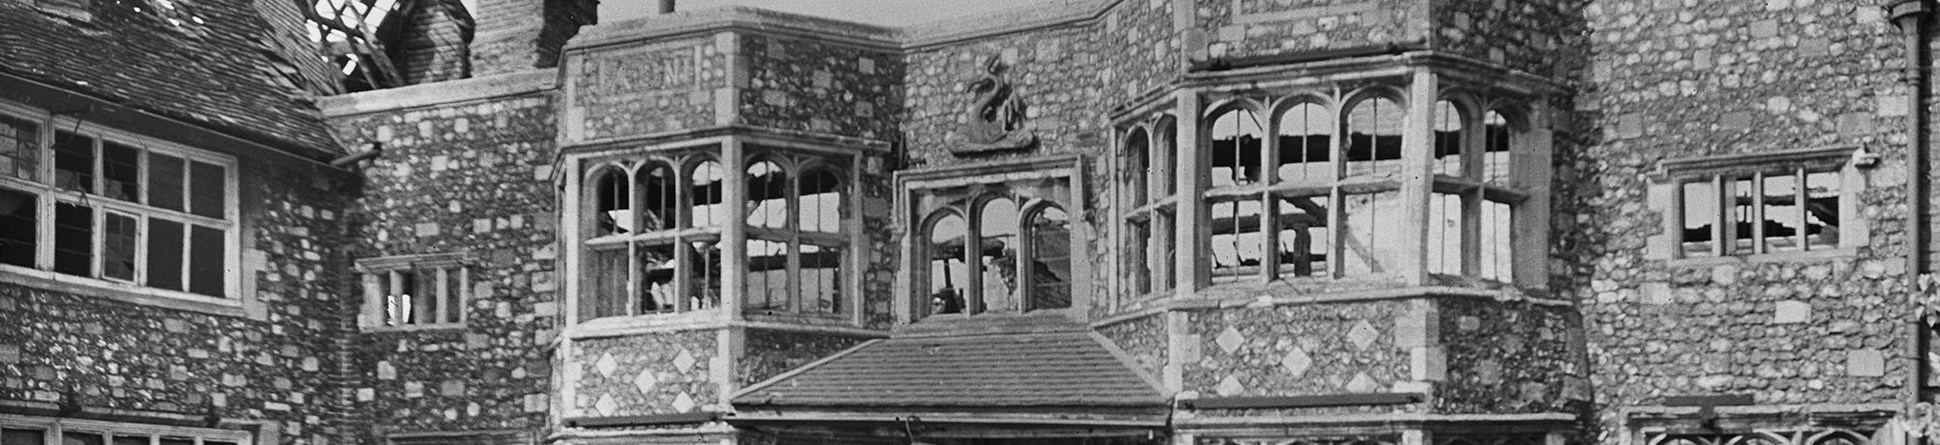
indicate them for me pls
(439, 93)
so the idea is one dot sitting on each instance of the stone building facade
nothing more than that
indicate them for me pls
(1648, 222)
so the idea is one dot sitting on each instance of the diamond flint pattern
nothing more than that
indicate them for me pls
(684, 362)
(1297, 362)
(683, 403)
(606, 365)
(645, 381)
(1230, 387)
(1362, 335)
(1230, 340)
(606, 405)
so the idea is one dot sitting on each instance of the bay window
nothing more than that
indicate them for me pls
(1319, 184)
(654, 225)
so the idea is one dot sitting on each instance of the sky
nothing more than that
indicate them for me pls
(880, 12)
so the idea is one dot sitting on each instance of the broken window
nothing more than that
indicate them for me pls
(124, 210)
(19, 227)
(33, 430)
(663, 253)
(949, 273)
(1048, 264)
(1236, 148)
(19, 148)
(1374, 138)
(415, 290)
(1145, 257)
(73, 162)
(1786, 210)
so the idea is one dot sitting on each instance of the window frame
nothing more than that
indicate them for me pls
(919, 204)
(385, 273)
(1666, 196)
(1149, 201)
(54, 428)
(48, 194)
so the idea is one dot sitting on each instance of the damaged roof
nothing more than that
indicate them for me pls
(221, 73)
(1058, 369)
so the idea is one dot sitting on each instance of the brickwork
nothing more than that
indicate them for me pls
(461, 178)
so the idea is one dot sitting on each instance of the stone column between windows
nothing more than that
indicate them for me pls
(1532, 173)
(1417, 177)
(734, 234)
(1190, 226)
(569, 236)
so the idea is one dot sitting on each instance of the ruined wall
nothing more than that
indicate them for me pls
(1683, 78)
(642, 374)
(769, 352)
(271, 361)
(820, 86)
(1509, 357)
(466, 177)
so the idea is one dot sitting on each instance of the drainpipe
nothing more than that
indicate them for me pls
(1911, 17)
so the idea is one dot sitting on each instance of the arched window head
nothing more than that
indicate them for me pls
(767, 195)
(1374, 137)
(1449, 139)
(614, 211)
(997, 224)
(658, 205)
(1495, 157)
(1048, 263)
(948, 273)
(821, 189)
(705, 184)
(1164, 155)
(1306, 133)
(1236, 148)
(1138, 166)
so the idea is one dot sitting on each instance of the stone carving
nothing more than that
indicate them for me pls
(996, 114)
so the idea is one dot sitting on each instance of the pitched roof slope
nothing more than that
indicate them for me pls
(219, 74)
(1006, 370)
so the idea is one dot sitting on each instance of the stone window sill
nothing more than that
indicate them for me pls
(1778, 257)
(645, 323)
(416, 327)
(124, 292)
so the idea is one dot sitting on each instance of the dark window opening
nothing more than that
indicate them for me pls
(19, 226)
(165, 240)
(121, 172)
(73, 239)
(206, 270)
(73, 162)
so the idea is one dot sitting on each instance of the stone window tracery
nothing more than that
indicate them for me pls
(1150, 197)
(647, 227)
(993, 240)
(1327, 184)
(652, 240)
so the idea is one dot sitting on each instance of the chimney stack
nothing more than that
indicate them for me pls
(519, 35)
